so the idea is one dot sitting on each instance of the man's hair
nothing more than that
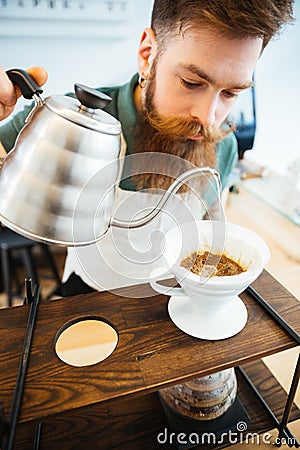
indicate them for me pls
(233, 18)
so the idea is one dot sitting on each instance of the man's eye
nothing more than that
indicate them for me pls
(188, 84)
(230, 94)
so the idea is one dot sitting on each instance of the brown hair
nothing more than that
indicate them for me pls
(233, 18)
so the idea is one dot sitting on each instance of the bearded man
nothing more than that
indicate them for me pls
(193, 62)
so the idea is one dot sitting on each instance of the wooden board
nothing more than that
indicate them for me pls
(135, 423)
(151, 353)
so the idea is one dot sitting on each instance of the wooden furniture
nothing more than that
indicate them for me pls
(114, 404)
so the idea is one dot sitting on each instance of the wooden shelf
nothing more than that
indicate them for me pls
(135, 423)
(118, 395)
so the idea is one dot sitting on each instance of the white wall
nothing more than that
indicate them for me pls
(98, 61)
(277, 140)
(91, 60)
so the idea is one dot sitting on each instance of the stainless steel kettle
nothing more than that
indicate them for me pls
(65, 143)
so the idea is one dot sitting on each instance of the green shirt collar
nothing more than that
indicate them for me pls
(127, 111)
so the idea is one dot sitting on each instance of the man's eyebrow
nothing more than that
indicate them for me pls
(200, 73)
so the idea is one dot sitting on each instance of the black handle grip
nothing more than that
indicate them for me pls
(24, 81)
(91, 98)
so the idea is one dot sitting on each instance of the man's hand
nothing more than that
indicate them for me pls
(10, 93)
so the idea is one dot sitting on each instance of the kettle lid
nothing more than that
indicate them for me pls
(85, 110)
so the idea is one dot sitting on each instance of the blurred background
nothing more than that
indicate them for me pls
(94, 42)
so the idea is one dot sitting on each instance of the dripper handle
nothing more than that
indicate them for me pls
(167, 290)
(91, 98)
(25, 82)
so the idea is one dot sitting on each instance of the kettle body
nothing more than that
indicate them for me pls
(59, 150)
(58, 183)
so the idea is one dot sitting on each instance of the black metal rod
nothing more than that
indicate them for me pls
(37, 436)
(285, 432)
(291, 396)
(274, 314)
(28, 291)
(18, 392)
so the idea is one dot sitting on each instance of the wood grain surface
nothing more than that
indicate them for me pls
(151, 352)
(135, 423)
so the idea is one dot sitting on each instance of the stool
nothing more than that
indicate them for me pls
(11, 242)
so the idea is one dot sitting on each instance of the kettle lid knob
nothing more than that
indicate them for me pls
(91, 98)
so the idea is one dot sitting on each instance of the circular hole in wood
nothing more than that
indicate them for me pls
(85, 341)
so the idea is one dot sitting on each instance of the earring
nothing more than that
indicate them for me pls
(142, 81)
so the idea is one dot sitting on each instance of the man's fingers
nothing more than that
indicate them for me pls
(39, 74)
(8, 95)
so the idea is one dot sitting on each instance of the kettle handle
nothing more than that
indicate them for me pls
(25, 82)
(91, 98)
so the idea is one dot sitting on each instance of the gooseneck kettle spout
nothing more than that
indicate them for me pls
(175, 186)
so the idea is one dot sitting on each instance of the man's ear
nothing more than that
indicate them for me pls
(146, 52)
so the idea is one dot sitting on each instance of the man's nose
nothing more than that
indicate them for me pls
(205, 110)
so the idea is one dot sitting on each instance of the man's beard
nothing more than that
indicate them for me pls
(162, 135)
